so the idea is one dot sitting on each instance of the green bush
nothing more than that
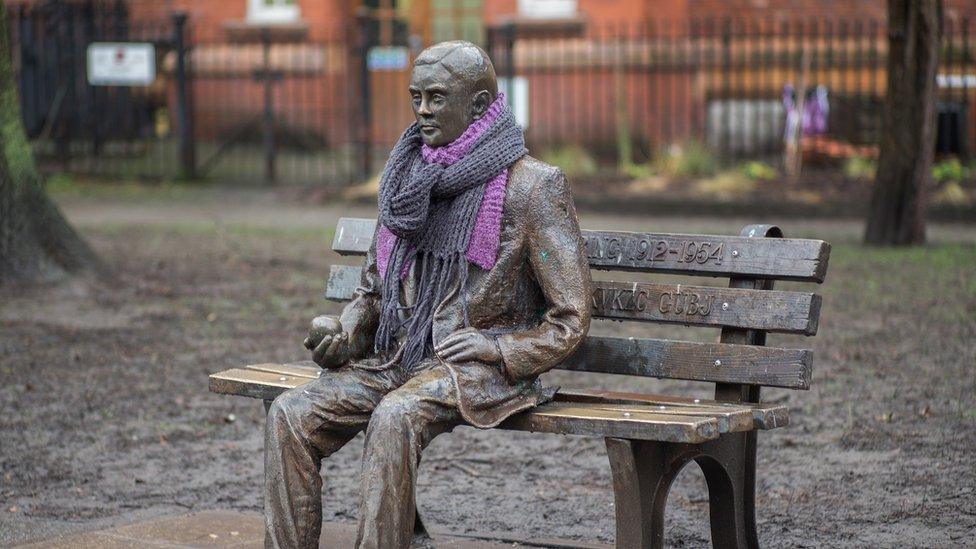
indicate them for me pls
(950, 170)
(860, 167)
(758, 171)
(689, 161)
(638, 171)
(573, 160)
(728, 185)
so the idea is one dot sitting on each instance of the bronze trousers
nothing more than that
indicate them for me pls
(401, 412)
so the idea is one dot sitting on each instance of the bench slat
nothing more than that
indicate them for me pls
(699, 255)
(253, 383)
(343, 281)
(305, 368)
(714, 362)
(582, 419)
(619, 414)
(708, 255)
(773, 311)
(764, 416)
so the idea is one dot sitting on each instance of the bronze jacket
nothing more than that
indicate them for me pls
(535, 299)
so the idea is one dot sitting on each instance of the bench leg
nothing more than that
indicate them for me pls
(642, 477)
(644, 471)
(729, 465)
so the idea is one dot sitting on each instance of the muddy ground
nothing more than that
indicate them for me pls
(105, 417)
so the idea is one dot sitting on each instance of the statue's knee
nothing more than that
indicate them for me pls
(394, 413)
(284, 410)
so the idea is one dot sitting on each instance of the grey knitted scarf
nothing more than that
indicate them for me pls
(432, 209)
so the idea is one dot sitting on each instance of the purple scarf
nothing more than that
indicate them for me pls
(483, 248)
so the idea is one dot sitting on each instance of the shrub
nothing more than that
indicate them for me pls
(725, 186)
(950, 170)
(860, 167)
(689, 161)
(573, 160)
(758, 171)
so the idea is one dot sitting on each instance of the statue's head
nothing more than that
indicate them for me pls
(452, 85)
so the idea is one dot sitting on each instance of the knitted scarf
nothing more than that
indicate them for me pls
(430, 203)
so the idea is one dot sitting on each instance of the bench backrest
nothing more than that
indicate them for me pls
(745, 311)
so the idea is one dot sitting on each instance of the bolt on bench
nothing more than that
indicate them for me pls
(650, 438)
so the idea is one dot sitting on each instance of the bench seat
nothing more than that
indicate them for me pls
(580, 412)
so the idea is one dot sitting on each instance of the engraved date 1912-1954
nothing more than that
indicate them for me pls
(651, 251)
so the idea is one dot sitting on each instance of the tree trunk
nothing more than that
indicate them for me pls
(36, 242)
(897, 214)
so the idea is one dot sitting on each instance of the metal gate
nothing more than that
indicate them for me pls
(118, 131)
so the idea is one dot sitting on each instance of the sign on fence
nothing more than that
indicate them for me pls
(121, 64)
(387, 58)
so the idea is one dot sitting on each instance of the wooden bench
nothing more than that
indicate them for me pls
(649, 438)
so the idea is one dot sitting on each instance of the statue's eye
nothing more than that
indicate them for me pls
(437, 98)
(416, 99)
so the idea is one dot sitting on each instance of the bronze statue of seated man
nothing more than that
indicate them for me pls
(475, 283)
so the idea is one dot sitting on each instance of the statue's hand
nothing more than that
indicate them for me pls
(466, 345)
(328, 342)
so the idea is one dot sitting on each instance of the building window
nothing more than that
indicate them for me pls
(456, 20)
(547, 9)
(272, 11)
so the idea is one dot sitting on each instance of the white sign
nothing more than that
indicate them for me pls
(547, 9)
(121, 64)
(387, 58)
(956, 80)
(517, 97)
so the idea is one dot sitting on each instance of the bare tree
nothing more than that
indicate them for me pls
(897, 214)
(36, 242)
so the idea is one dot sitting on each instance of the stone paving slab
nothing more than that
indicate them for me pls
(229, 529)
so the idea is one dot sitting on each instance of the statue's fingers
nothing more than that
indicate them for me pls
(321, 349)
(334, 346)
(465, 354)
(457, 338)
(450, 348)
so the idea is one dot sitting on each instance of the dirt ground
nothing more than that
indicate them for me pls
(105, 416)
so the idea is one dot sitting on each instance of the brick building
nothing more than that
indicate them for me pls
(587, 72)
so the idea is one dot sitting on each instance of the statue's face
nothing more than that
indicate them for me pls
(444, 105)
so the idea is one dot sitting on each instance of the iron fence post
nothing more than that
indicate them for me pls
(268, 119)
(509, 45)
(365, 119)
(184, 112)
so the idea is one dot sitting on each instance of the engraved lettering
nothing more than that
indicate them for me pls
(718, 253)
(641, 249)
(596, 302)
(662, 306)
(641, 305)
(679, 305)
(706, 307)
(592, 247)
(616, 303)
(691, 304)
(660, 250)
(613, 248)
(702, 256)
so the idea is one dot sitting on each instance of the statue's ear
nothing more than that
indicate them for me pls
(479, 104)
